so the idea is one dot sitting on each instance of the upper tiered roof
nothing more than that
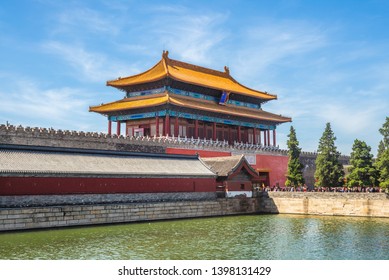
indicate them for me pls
(191, 74)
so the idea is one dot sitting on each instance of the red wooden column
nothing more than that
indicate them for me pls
(254, 136)
(157, 125)
(268, 137)
(118, 128)
(239, 136)
(126, 129)
(264, 138)
(196, 129)
(109, 127)
(176, 130)
(229, 135)
(166, 127)
(274, 138)
(259, 137)
(214, 132)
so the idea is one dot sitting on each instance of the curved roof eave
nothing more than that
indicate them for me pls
(243, 161)
(162, 70)
(122, 82)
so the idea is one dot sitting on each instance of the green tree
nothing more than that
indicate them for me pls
(381, 149)
(294, 177)
(329, 171)
(362, 172)
(382, 162)
(384, 130)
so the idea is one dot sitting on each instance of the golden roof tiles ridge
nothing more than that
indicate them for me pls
(192, 74)
(120, 81)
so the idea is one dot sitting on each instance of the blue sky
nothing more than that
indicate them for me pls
(328, 61)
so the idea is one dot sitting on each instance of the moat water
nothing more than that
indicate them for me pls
(274, 237)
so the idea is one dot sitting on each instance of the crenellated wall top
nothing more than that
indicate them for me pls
(11, 134)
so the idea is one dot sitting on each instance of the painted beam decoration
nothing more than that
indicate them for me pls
(172, 113)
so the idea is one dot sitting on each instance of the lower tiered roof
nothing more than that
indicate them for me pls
(166, 97)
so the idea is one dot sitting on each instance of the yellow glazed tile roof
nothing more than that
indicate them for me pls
(191, 74)
(210, 106)
(130, 103)
(156, 73)
(187, 102)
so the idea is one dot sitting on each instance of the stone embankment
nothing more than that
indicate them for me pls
(333, 204)
(327, 203)
(81, 215)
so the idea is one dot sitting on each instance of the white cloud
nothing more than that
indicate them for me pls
(350, 119)
(79, 19)
(188, 35)
(271, 44)
(27, 102)
(93, 66)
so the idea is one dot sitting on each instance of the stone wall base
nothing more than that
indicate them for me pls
(341, 204)
(348, 204)
(83, 199)
(81, 215)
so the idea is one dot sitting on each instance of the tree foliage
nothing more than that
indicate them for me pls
(362, 171)
(382, 163)
(329, 171)
(294, 177)
(381, 149)
(384, 130)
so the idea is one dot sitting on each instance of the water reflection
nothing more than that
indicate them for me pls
(238, 237)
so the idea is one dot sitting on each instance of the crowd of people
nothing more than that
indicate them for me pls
(306, 188)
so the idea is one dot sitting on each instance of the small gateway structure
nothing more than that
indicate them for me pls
(235, 175)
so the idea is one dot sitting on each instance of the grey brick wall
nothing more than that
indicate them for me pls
(85, 199)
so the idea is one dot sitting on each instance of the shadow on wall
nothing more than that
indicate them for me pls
(266, 203)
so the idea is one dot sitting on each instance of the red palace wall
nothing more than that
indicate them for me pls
(276, 165)
(80, 185)
(201, 153)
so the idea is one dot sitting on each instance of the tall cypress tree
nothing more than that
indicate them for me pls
(382, 162)
(294, 178)
(329, 171)
(381, 149)
(362, 171)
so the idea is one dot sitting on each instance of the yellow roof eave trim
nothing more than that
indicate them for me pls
(250, 113)
(129, 104)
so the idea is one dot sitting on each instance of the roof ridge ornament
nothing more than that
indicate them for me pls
(165, 61)
(227, 70)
